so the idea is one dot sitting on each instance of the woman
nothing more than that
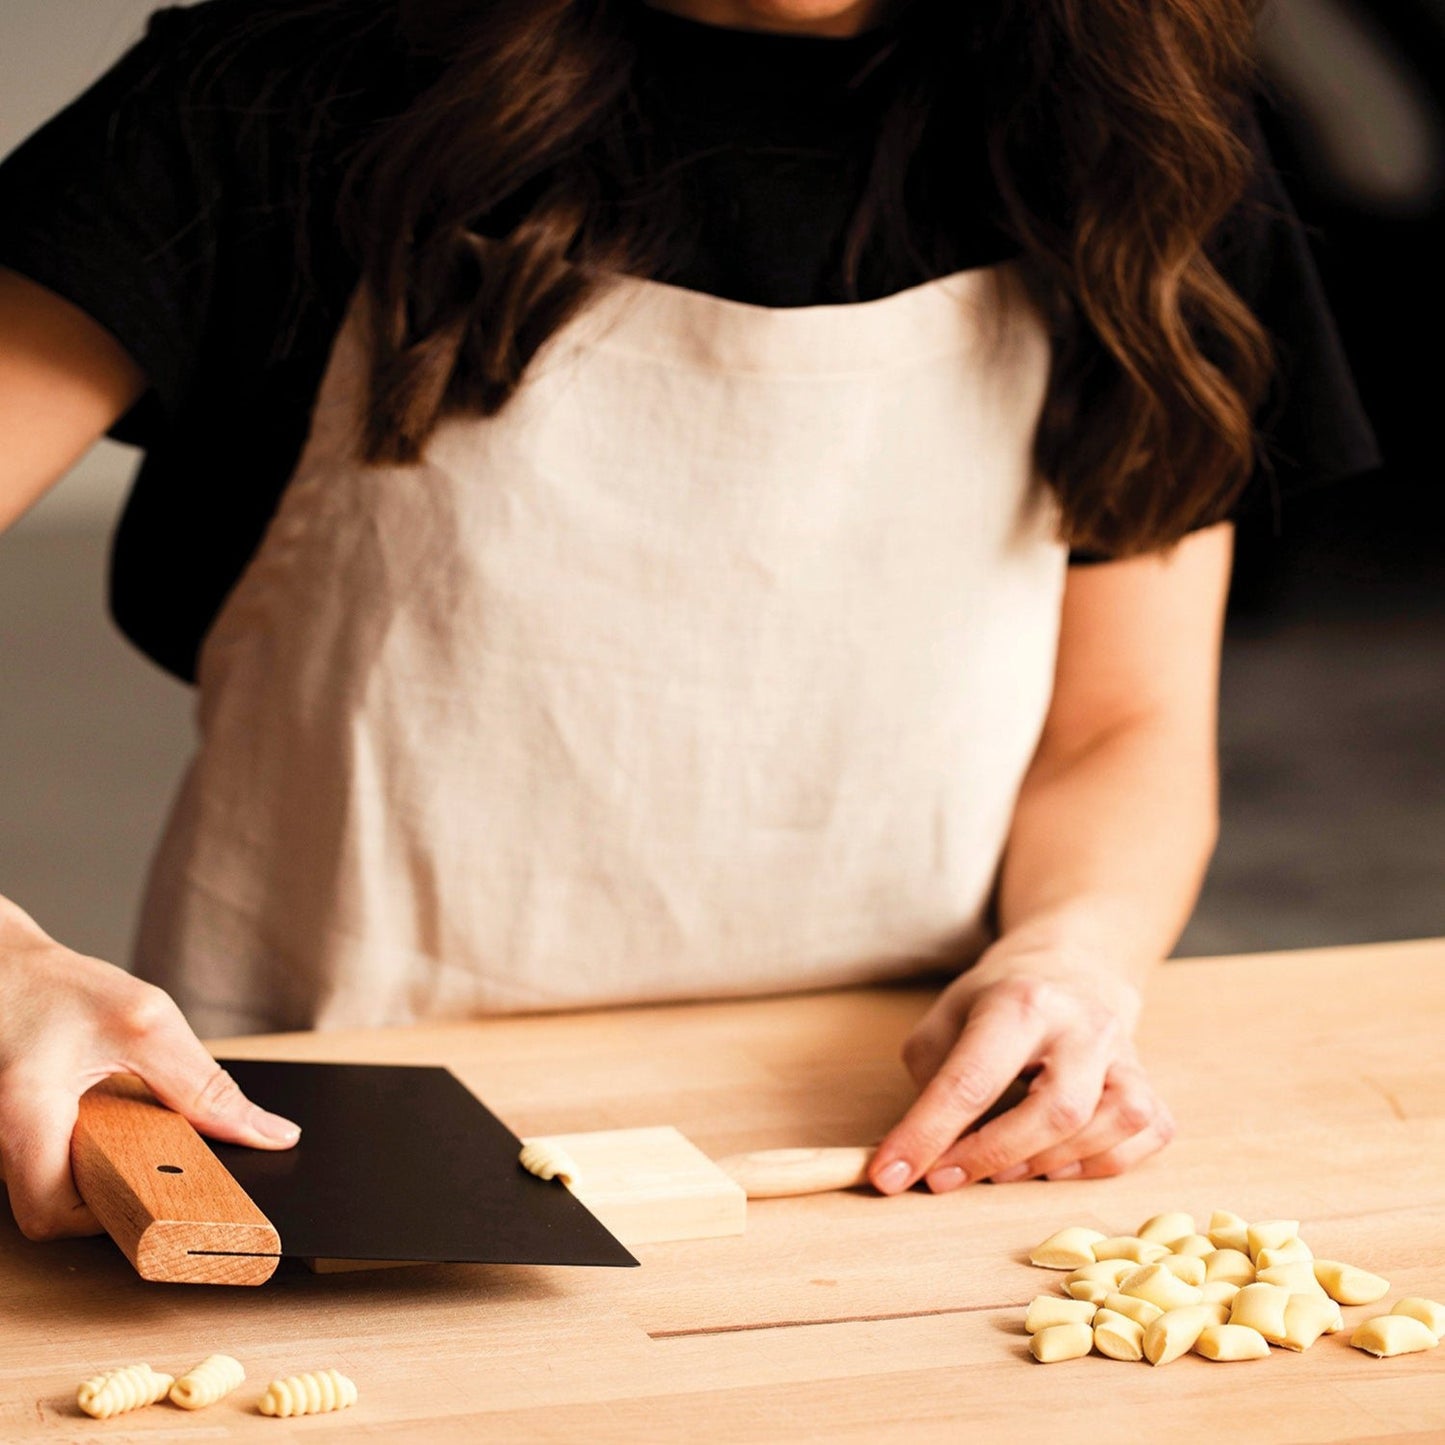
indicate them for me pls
(664, 500)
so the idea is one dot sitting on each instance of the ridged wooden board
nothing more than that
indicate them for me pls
(1307, 1085)
(652, 1186)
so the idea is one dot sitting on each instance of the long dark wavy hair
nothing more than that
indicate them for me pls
(489, 209)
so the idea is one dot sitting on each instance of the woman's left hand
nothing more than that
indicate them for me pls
(1090, 1108)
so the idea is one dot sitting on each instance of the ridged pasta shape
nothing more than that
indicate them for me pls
(313, 1393)
(547, 1161)
(213, 1379)
(131, 1387)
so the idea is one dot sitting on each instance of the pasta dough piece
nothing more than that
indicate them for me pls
(1229, 1264)
(1175, 1331)
(1160, 1287)
(1068, 1249)
(1393, 1335)
(1427, 1311)
(1231, 1342)
(1094, 1291)
(547, 1161)
(1141, 1311)
(1228, 1231)
(213, 1379)
(1110, 1270)
(1306, 1318)
(313, 1393)
(1188, 1267)
(1298, 1277)
(1261, 1307)
(1348, 1285)
(1129, 1247)
(1117, 1336)
(1196, 1244)
(1165, 1228)
(1289, 1252)
(1218, 1291)
(1106, 1271)
(1062, 1342)
(131, 1387)
(1270, 1234)
(1046, 1310)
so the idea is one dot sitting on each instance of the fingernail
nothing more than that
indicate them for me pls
(275, 1128)
(949, 1177)
(1065, 1171)
(894, 1175)
(1009, 1175)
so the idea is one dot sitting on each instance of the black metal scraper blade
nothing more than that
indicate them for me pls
(398, 1162)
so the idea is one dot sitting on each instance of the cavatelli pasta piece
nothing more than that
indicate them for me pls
(213, 1379)
(547, 1161)
(130, 1387)
(313, 1393)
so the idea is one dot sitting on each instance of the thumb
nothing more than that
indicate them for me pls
(179, 1071)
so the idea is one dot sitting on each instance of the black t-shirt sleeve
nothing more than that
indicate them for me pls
(115, 205)
(1312, 428)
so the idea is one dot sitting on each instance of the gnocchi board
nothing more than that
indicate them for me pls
(651, 1186)
(395, 1163)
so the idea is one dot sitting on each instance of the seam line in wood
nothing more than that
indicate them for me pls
(831, 1320)
(235, 1254)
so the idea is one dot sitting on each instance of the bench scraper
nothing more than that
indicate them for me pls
(395, 1163)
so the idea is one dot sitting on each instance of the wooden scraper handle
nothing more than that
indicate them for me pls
(162, 1195)
(776, 1173)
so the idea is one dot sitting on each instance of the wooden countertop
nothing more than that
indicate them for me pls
(1307, 1085)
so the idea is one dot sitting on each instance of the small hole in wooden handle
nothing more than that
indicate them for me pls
(169, 1169)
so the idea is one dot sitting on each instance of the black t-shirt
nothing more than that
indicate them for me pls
(171, 213)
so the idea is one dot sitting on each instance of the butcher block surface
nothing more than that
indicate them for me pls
(1307, 1085)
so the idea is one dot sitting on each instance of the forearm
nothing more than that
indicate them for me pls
(1111, 834)
(1109, 845)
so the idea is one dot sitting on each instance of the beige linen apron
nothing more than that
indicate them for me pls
(711, 665)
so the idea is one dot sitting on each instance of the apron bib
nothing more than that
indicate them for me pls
(711, 665)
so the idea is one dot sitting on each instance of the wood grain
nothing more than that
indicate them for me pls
(1307, 1085)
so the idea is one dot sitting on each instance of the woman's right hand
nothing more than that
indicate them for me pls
(68, 1021)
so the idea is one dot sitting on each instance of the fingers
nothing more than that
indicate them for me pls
(35, 1148)
(70, 1021)
(162, 1051)
(1128, 1124)
(1127, 1154)
(999, 1039)
(1127, 1109)
(1089, 1111)
(1063, 1101)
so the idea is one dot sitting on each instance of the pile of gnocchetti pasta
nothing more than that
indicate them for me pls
(1228, 1293)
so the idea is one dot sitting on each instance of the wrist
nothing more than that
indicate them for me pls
(1072, 951)
(1093, 932)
